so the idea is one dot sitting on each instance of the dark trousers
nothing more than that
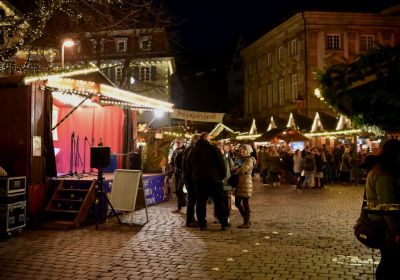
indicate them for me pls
(242, 204)
(216, 192)
(388, 266)
(180, 195)
(191, 202)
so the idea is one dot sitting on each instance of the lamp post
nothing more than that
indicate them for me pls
(67, 43)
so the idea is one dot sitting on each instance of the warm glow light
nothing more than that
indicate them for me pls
(135, 99)
(67, 73)
(68, 43)
(72, 99)
(317, 92)
(158, 113)
(334, 133)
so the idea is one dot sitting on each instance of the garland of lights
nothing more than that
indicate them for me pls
(365, 91)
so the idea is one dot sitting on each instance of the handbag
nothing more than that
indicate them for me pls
(370, 233)
(233, 180)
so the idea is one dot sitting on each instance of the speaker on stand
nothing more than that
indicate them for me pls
(100, 158)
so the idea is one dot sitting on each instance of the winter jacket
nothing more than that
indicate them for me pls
(244, 187)
(206, 163)
(346, 163)
(382, 188)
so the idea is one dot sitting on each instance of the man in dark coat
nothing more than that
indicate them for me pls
(176, 166)
(208, 169)
(187, 179)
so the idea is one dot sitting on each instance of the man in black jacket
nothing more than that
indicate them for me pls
(176, 166)
(207, 166)
(187, 179)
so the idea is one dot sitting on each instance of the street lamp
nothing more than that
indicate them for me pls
(67, 43)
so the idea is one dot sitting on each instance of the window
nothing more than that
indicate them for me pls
(94, 45)
(366, 42)
(294, 87)
(259, 97)
(144, 74)
(270, 95)
(1, 37)
(250, 68)
(102, 45)
(269, 60)
(33, 66)
(145, 42)
(293, 47)
(281, 96)
(121, 44)
(281, 54)
(259, 65)
(2, 14)
(118, 73)
(10, 34)
(265, 97)
(333, 42)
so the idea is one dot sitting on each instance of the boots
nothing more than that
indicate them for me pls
(246, 220)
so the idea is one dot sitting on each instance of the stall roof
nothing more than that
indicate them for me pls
(285, 134)
(221, 132)
(79, 82)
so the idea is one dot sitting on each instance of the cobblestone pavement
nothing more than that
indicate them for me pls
(296, 234)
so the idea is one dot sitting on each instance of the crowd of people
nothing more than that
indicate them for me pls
(311, 167)
(205, 170)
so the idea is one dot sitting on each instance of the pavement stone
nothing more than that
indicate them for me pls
(295, 234)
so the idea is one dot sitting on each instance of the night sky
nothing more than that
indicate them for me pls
(209, 29)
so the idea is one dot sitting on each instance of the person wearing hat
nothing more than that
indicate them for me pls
(244, 187)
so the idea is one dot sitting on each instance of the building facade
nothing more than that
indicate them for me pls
(137, 60)
(280, 66)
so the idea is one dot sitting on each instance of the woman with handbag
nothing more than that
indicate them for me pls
(382, 187)
(244, 187)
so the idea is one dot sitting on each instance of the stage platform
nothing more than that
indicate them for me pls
(155, 189)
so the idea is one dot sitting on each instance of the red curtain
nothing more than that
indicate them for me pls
(97, 123)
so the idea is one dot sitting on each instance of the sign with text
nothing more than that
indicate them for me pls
(197, 116)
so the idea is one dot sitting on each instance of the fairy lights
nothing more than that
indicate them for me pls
(334, 133)
(135, 99)
(59, 74)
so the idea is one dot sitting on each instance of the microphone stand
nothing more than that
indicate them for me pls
(77, 158)
(71, 157)
(71, 154)
(86, 142)
(84, 155)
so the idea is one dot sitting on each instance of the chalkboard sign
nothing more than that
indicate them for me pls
(127, 192)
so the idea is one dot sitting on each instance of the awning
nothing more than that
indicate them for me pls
(68, 82)
(285, 134)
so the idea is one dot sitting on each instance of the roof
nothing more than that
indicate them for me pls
(285, 134)
(79, 82)
(97, 77)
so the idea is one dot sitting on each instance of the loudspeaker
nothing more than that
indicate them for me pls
(100, 157)
(135, 161)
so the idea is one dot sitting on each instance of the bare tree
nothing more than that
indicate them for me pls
(48, 20)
